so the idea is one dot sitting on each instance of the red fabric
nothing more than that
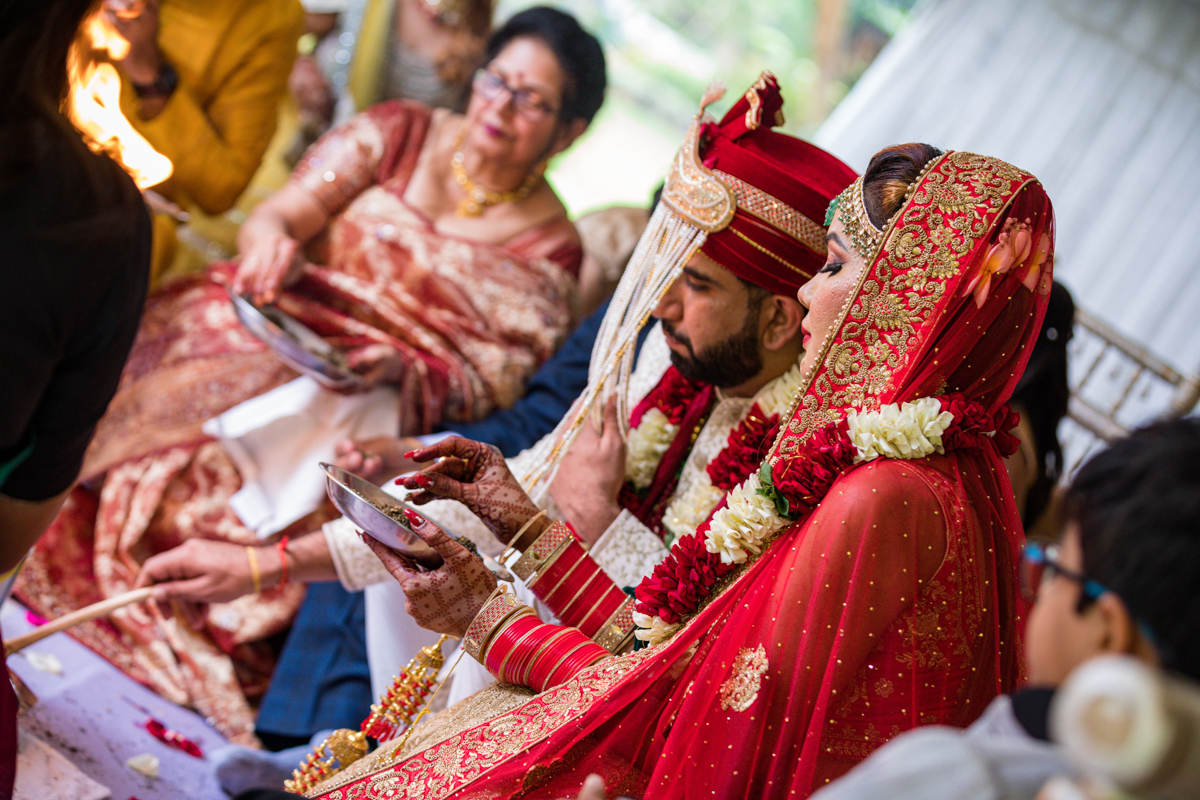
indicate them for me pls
(8, 736)
(792, 171)
(893, 604)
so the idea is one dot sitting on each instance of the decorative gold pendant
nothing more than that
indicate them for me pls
(408, 694)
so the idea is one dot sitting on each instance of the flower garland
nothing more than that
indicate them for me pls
(652, 435)
(738, 459)
(775, 496)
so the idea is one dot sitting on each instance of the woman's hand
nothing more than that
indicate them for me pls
(376, 459)
(271, 261)
(448, 598)
(476, 475)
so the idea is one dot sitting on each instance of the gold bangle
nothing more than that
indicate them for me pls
(499, 607)
(539, 555)
(527, 525)
(617, 629)
(529, 668)
(255, 574)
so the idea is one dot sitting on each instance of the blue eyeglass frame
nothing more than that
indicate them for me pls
(1039, 553)
(1036, 552)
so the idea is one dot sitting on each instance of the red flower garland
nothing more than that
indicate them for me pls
(686, 576)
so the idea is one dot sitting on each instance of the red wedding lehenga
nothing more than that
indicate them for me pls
(889, 602)
(471, 321)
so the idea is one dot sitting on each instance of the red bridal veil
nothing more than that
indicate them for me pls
(890, 604)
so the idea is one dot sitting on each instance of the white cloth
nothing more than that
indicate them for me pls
(278, 439)
(994, 759)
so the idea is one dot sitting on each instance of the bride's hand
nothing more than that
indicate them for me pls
(446, 599)
(476, 475)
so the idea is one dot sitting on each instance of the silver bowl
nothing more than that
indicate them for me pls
(294, 343)
(362, 502)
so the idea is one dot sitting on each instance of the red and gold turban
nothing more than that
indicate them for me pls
(760, 195)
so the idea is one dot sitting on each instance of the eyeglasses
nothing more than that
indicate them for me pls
(1039, 562)
(528, 103)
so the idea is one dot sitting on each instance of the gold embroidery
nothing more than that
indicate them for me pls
(442, 768)
(776, 213)
(692, 190)
(740, 689)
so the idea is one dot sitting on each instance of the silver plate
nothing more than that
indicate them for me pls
(362, 502)
(294, 343)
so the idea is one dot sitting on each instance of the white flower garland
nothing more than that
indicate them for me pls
(646, 446)
(687, 512)
(908, 430)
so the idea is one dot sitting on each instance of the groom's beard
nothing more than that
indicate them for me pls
(725, 364)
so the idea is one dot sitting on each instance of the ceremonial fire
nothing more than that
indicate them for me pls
(93, 104)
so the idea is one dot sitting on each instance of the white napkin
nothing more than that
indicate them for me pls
(278, 439)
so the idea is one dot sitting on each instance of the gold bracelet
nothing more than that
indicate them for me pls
(255, 575)
(528, 524)
(499, 607)
(617, 629)
(538, 556)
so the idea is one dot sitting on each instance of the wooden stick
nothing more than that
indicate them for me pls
(84, 614)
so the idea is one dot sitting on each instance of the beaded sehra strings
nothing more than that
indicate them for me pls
(661, 254)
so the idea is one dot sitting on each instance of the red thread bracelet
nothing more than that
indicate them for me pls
(281, 545)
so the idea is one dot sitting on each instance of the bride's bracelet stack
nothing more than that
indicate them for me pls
(517, 647)
(558, 569)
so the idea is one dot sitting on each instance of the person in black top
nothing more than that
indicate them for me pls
(74, 265)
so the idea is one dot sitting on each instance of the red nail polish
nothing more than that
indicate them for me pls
(413, 517)
(410, 454)
(421, 480)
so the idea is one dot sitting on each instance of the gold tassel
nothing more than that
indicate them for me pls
(394, 713)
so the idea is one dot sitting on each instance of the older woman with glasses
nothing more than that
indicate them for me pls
(427, 247)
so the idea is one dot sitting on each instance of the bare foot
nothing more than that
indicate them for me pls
(378, 459)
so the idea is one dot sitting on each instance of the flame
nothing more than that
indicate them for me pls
(93, 104)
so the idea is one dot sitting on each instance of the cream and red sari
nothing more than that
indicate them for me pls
(884, 598)
(471, 321)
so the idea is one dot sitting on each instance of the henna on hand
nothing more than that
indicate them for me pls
(446, 599)
(476, 475)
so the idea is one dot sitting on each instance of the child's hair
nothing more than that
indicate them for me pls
(1137, 505)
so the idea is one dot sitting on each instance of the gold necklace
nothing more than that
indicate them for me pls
(478, 198)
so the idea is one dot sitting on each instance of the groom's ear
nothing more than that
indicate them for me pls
(781, 318)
